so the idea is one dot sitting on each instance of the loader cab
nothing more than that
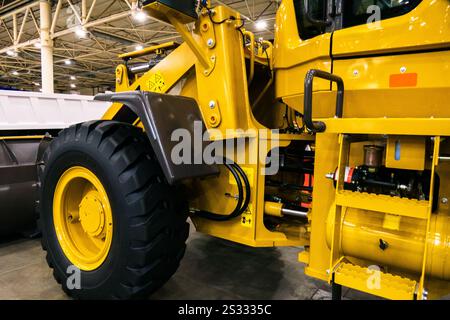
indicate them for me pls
(370, 44)
(317, 17)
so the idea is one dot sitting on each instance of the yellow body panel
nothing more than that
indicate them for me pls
(368, 92)
(405, 153)
(425, 27)
(294, 57)
(407, 242)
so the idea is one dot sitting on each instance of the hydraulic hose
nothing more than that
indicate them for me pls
(247, 187)
(242, 203)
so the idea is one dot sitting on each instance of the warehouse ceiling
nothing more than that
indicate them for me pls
(85, 58)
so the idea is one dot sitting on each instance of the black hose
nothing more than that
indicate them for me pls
(242, 204)
(230, 18)
(247, 187)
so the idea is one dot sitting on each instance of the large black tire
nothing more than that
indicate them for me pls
(149, 216)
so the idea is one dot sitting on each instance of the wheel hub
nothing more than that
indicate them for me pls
(92, 216)
(82, 217)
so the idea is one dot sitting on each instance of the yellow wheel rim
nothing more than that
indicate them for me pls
(82, 217)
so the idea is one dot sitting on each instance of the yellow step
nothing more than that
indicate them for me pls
(375, 282)
(383, 203)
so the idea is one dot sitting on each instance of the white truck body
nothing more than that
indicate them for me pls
(21, 110)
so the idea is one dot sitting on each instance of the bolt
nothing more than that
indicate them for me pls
(210, 43)
(444, 200)
(403, 69)
(212, 104)
(205, 27)
(383, 244)
(330, 175)
(229, 195)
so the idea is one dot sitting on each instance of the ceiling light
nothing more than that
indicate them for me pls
(67, 62)
(72, 85)
(73, 78)
(81, 32)
(261, 25)
(139, 47)
(15, 73)
(139, 15)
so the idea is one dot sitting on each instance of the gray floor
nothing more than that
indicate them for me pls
(212, 269)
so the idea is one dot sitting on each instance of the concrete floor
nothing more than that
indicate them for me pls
(211, 269)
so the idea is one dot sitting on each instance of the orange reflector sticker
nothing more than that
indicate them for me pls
(403, 80)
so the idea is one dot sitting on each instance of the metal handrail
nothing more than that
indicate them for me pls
(319, 126)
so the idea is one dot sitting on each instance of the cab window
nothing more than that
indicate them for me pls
(356, 12)
(317, 11)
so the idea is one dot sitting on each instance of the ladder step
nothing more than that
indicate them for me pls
(383, 203)
(388, 286)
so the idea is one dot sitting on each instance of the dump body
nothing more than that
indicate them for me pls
(24, 112)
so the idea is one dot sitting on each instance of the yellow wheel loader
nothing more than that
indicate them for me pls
(333, 137)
